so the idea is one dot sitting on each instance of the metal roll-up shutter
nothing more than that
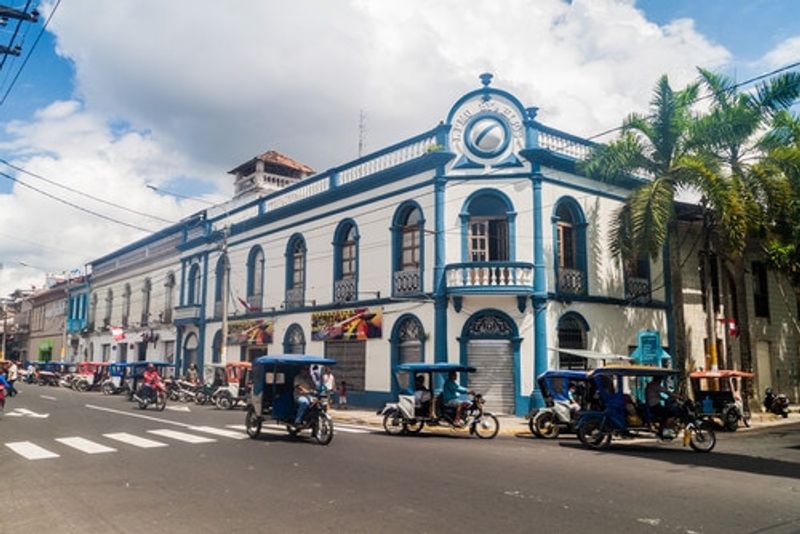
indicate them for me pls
(494, 379)
(351, 358)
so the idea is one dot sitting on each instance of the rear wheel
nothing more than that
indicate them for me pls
(701, 437)
(486, 426)
(592, 434)
(224, 401)
(415, 426)
(730, 419)
(323, 429)
(200, 397)
(108, 388)
(545, 425)
(82, 386)
(161, 401)
(393, 424)
(252, 423)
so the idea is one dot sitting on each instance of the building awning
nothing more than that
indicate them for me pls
(593, 355)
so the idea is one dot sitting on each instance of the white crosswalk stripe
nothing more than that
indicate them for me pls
(85, 445)
(136, 441)
(219, 432)
(31, 451)
(181, 436)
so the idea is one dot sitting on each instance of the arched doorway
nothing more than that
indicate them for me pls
(490, 343)
(294, 341)
(407, 340)
(190, 350)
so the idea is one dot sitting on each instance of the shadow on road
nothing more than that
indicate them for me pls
(714, 460)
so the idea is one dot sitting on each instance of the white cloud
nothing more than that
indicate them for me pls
(216, 86)
(784, 53)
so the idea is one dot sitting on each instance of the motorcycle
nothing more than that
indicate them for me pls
(155, 395)
(777, 404)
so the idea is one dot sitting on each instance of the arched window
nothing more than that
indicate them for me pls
(409, 338)
(193, 283)
(345, 258)
(220, 284)
(109, 307)
(295, 272)
(146, 290)
(216, 348)
(487, 220)
(255, 279)
(408, 232)
(126, 305)
(294, 342)
(169, 290)
(572, 328)
(569, 234)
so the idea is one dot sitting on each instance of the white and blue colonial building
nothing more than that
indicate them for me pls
(477, 241)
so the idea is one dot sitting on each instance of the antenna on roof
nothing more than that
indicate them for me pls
(362, 132)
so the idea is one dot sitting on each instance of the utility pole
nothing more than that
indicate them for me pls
(711, 316)
(223, 349)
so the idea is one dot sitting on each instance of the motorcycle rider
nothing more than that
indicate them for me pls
(451, 396)
(660, 402)
(303, 390)
(151, 381)
(3, 384)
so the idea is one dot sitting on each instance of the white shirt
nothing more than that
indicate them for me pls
(12, 372)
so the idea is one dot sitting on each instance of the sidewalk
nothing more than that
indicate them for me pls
(511, 425)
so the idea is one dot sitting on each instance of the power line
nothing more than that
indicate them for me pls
(28, 56)
(85, 194)
(71, 204)
(706, 97)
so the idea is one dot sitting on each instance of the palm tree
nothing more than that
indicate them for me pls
(657, 146)
(744, 194)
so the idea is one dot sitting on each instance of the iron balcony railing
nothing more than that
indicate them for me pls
(295, 297)
(637, 289)
(345, 290)
(407, 282)
(571, 281)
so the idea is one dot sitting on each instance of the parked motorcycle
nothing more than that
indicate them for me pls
(777, 404)
(146, 396)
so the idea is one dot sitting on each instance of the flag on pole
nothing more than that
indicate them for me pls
(245, 304)
(117, 333)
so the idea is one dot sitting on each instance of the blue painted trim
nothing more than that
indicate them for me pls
(219, 279)
(510, 215)
(191, 297)
(400, 215)
(202, 334)
(520, 400)
(251, 266)
(439, 283)
(289, 261)
(216, 354)
(339, 234)
(369, 399)
(169, 230)
(179, 364)
(579, 224)
(613, 301)
(182, 289)
(394, 342)
(484, 92)
(499, 120)
(539, 302)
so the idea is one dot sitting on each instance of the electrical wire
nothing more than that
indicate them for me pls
(85, 194)
(71, 204)
(28, 56)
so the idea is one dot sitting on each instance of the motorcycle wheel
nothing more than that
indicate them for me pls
(293, 432)
(161, 401)
(323, 429)
(200, 397)
(415, 427)
(108, 388)
(532, 427)
(702, 437)
(224, 401)
(252, 424)
(486, 426)
(592, 434)
(142, 404)
(393, 424)
(730, 419)
(545, 425)
(82, 386)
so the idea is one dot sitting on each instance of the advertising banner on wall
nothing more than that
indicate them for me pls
(250, 332)
(351, 324)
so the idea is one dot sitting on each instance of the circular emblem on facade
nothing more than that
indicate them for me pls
(487, 136)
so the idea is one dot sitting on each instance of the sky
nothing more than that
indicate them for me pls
(119, 95)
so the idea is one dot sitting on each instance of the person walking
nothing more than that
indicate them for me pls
(328, 384)
(13, 375)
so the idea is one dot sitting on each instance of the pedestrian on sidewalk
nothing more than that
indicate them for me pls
(343, 395)
(13, 375)
(328, 384)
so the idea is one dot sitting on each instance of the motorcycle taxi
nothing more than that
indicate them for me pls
(560, 414)
(420, 403)
(721, 395)
(137, 369)
(623, 411)
(90, 375)
(118, 380)
(272, 397)
(236, 385)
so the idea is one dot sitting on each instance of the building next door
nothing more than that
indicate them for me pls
(490, 343)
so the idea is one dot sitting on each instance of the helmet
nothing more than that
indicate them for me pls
(151, 367)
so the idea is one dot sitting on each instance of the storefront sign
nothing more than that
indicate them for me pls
(250, 332)
(352, 324)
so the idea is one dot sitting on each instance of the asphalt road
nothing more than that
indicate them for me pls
(366, 481)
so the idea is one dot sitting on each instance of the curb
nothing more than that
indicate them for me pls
(518, 427)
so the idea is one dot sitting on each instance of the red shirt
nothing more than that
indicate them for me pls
(152, 378)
